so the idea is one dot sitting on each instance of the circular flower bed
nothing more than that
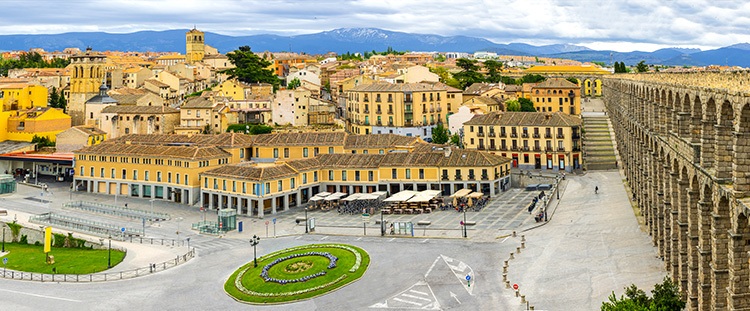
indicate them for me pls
(298, 273)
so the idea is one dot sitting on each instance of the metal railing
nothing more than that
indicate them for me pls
(98, 277)
(86, 226)
(117, 211)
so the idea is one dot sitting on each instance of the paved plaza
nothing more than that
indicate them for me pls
(591, 247)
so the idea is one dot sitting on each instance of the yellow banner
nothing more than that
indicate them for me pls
(47, 239)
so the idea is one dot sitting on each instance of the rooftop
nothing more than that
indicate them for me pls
(525, 118)
(396, 87)
(178, 152)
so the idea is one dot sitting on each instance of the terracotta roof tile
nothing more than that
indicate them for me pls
(525, 118)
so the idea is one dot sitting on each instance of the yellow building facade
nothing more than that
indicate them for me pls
(195, 46)
(533, 140)
(557, 94)
(25, 113)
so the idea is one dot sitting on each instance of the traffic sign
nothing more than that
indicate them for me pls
(462, 222)
(266, 222)
(468, 277)
(5, 260)
(274, 220)
(515, 286)
(122, 229)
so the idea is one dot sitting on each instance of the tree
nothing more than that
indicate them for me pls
(508, 80)
(641, 66)
(572, 80)
(526, 105)
(512, 105)
(530, 78)
(467, 64)
(469, 75)
(53, 98)
(250, 68)
(439, 134)
(600, 64)
(456, 140)
(295, 83)
(206, 129)
(493, 70)
(666, 296)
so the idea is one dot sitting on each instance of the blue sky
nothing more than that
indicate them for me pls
(620, 25)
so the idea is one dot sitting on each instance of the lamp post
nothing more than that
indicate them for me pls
(464, 208)
(306, 229)
(109, 251)
(254, 242)
(382, 224)
(3, 239)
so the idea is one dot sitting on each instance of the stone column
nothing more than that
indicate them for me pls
(707, 142)
(723, 151)
(739, 278)
(286, 201)
(683, 130)
(683, 243)
(261, 208)
(705, 296)
(741, 165)
(719, 259)
(273, 205)
(692, 250)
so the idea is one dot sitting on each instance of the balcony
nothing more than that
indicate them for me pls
(525, 135)
(576, 136)
(548, 149)
(408, 110)
(561, 136)
(432, 110)
(458, 177)
(439, 109)
(390, 111)
(514, 148)
(537, 148)
(502, 134)
(379, 123)
(548, 135)
(390, 123)
(503, 148)
(408, 123)
(444, 177)
(20, 128)
(513, 135)
(480, 147)
(367, 111)
(492, 148)
(367, 122)
(356, 110)
(536, 135)
(471, 177)
(561, 149)
(485, 177)
(378, 111)
(480, 134)
(576, 148)
(491, 134)
(525, 148)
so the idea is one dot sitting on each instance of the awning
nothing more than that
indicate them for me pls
(335, 196)
(401, 196)
(461, 193)
(424, 196)
(475, 195)
(320, 196)
(353, 197)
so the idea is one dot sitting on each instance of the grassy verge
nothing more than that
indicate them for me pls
(31, 258)
(252, 280)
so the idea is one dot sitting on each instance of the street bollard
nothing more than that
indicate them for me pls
(523, 244)
(511, 256)
(514, 234)
(505, 270)
(507, 284)
(505, 277)
(531, 308)
(517, 294)
(518, 250)
(523, 238)
(505, 264)
(523, 299)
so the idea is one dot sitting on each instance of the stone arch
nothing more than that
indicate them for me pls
(739, 278)
(695, 122)
(719, 259)
(692, 251)
(741, 157)
(683, 117)
(705, 244)
(708, 138)
(724, 127)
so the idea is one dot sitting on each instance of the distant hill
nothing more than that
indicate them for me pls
(367, 39)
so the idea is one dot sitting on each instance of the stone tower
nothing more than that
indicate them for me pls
(195, 46)
(86, 74)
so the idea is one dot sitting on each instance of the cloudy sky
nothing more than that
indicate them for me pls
(624, 25)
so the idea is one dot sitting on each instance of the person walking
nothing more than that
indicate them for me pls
(596, 190)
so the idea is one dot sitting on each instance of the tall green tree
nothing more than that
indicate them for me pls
(493, 70)
(526, 105)
(531, 78)
(250, 68)
(512, 105)
(295, 83)
(456, 140)
(572, 80)
(666, 296)
(440, 134)
(469, 75)
(641, 66)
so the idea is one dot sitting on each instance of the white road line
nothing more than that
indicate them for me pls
(415, 297)
(418, 292)
(433, 266)
(424, 241)
(359, 238)
(503, 241)
(299, 237)
(37, 295)
(391, 240)
(325, 237)
(406, 301)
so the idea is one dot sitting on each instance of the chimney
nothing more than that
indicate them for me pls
(447, 151)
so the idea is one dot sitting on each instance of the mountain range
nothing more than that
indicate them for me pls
(367, 39)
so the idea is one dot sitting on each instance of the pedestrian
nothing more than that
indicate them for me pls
(392, 229)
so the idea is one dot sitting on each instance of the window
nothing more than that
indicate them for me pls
(304, 152)
(205, 182)
(356, 176)
(124, 173)
(216, 184)
(178, 178)
(275, 152)
(135, 174)
(421, 173)
(370, 176)
(330, 175)
(242, 153)
(381, 151)
(394, 174)
(445, 172)
(343, 175)
(316, 151)
(112, 174)
(268, 187)
(408, 173)
(315, 176)
(224, 185)
(146, 175)
(330, 150)
(158, 176)
(244, 187)
(101, 173)
(92, 172)
(291, 183)
(280, 186)
(304, 178)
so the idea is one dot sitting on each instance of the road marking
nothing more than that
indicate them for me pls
(418, 292)
(391, 240)
(461, 267)
(325, 237)
(406, 301)
(37, 295)
(433, 266)
(359, 238)
(299, 237)
(455, 297)
(503, 241)
(415, 297)
(424, 241)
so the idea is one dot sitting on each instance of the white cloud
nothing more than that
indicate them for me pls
(618, 25)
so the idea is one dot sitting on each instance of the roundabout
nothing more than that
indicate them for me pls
(297, 273)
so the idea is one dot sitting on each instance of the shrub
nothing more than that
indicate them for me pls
(24, 239)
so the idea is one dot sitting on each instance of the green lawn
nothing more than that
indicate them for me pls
(31, 258)
(252, 280)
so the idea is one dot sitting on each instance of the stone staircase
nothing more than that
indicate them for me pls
(599, 153)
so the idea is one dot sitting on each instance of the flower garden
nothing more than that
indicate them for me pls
(298, 273)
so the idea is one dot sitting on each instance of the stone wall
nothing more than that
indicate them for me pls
(36, 234)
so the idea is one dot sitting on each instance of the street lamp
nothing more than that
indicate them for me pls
(464, 208)
(306, 229)
(382, 224)
(109, 256)
(3, 239)
(254, 241)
